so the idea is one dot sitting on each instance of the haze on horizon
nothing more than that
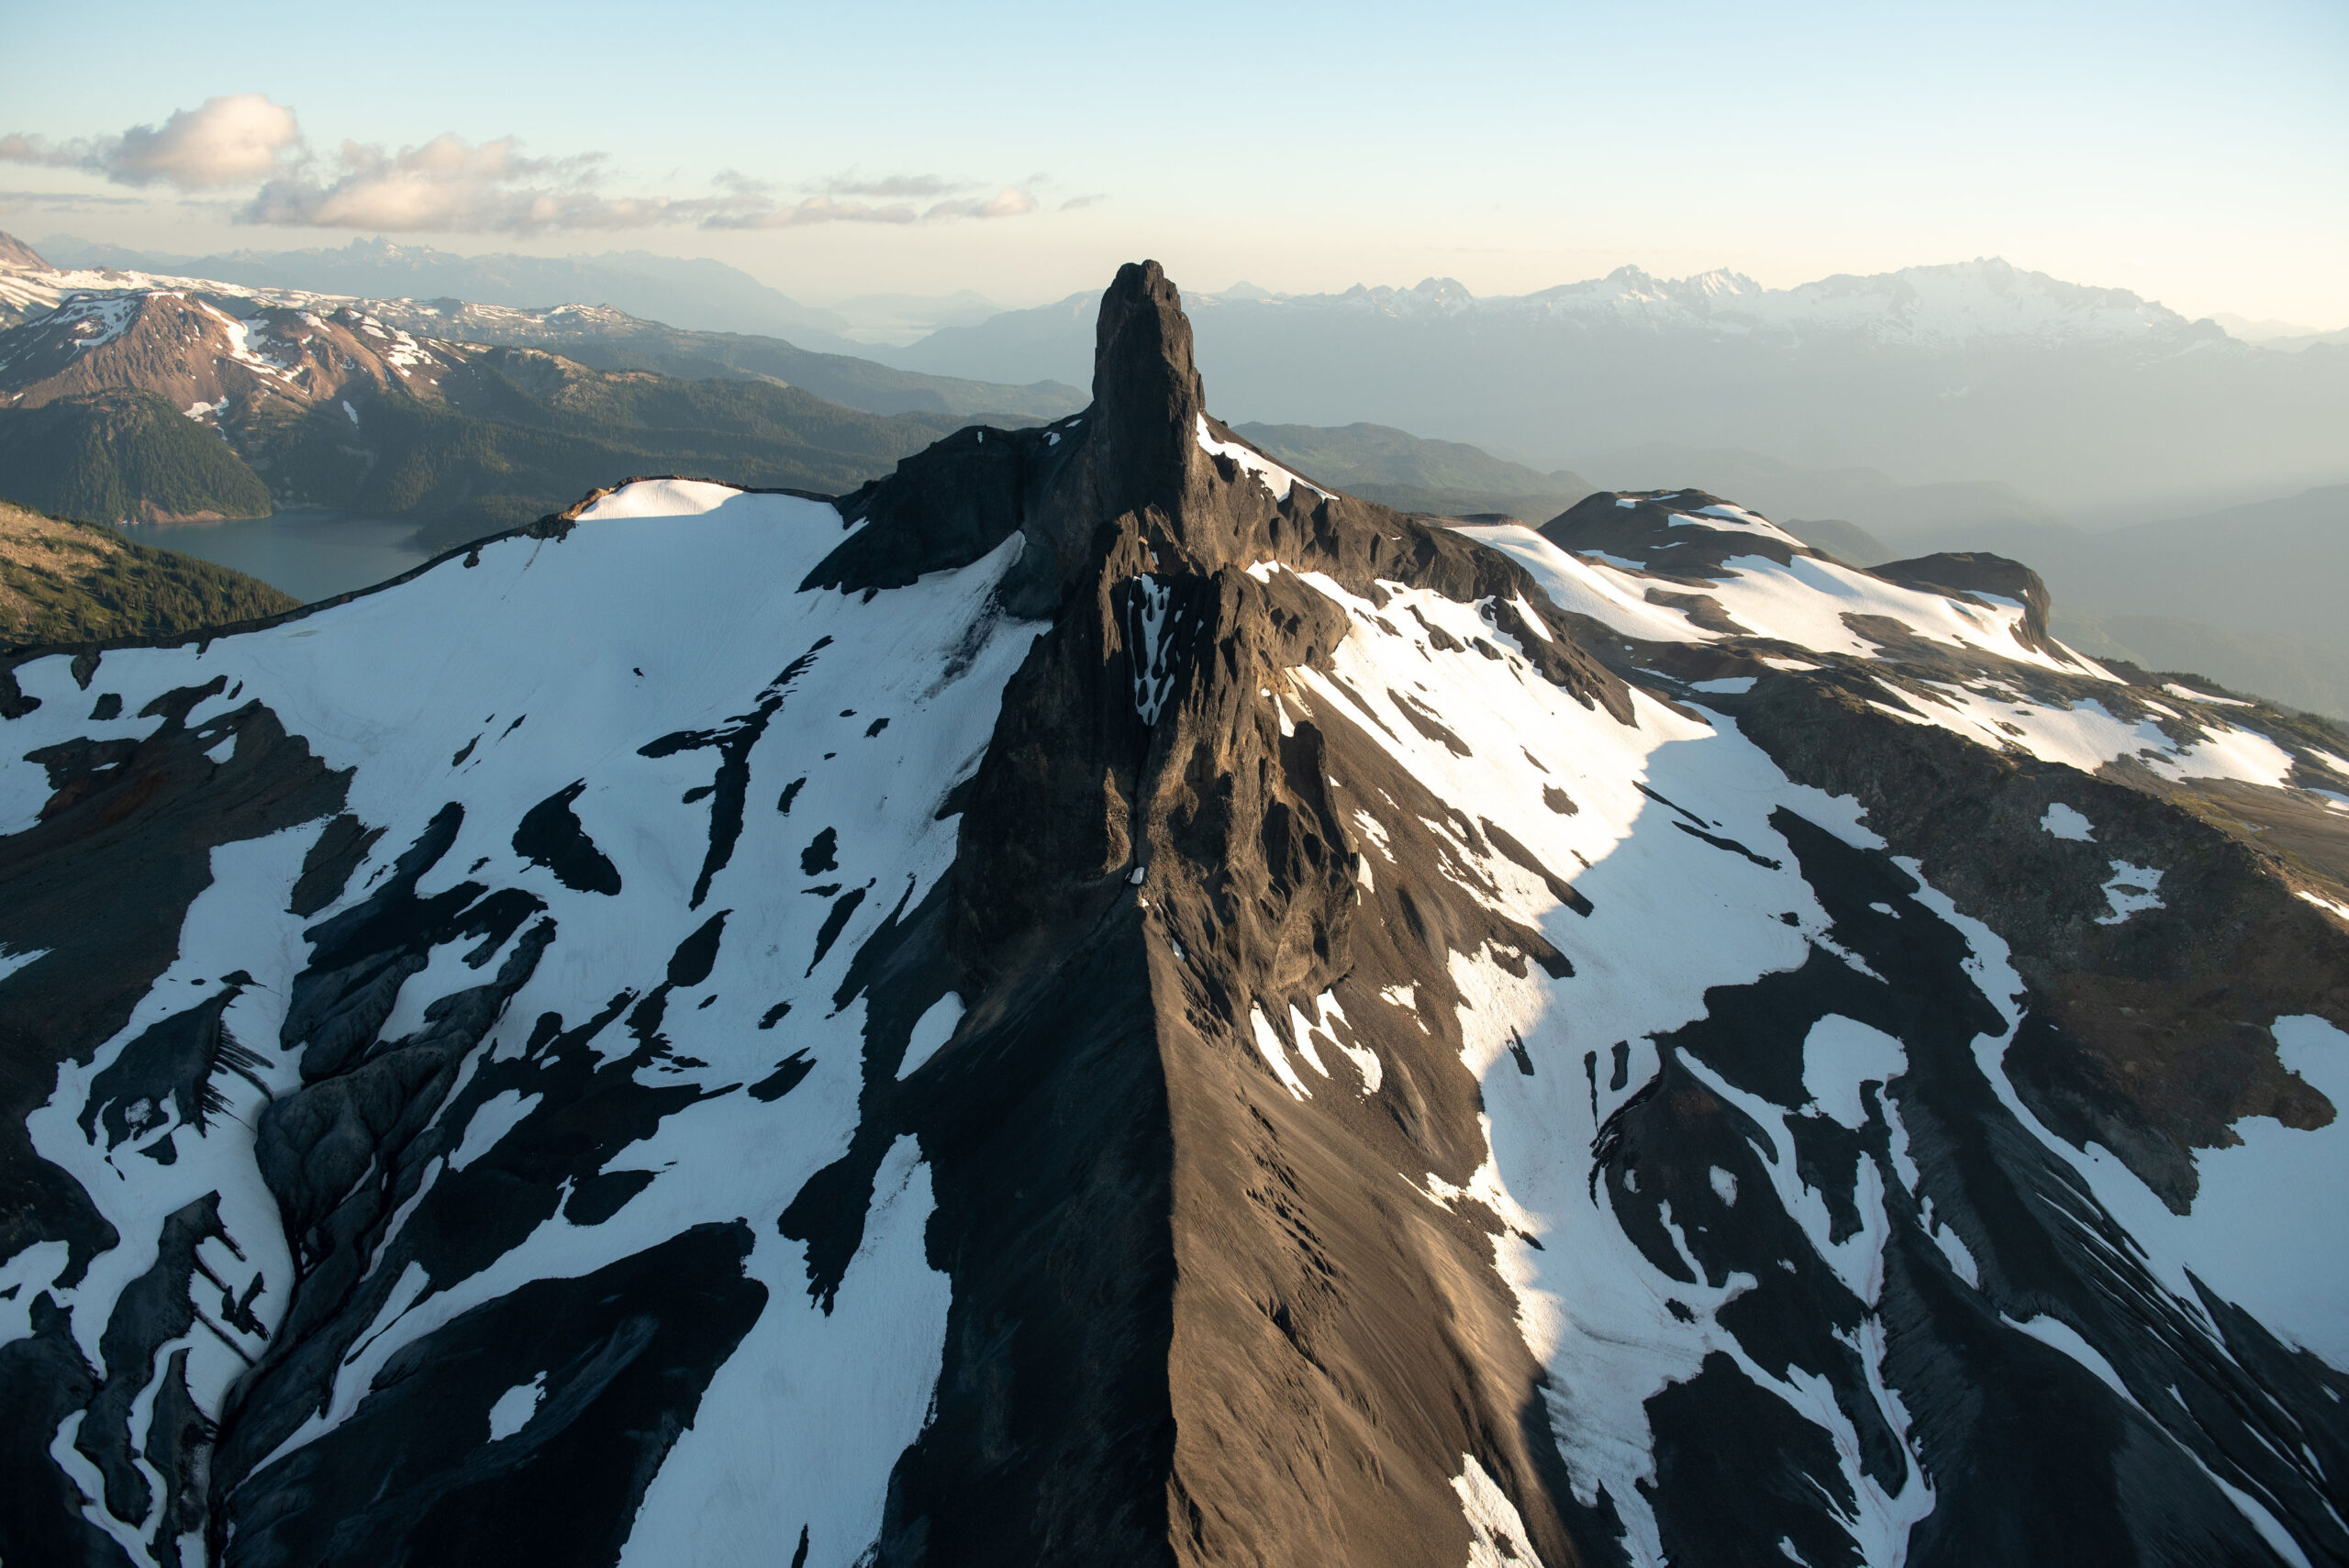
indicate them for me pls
(2198, 156)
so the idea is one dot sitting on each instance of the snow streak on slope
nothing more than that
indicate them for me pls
(1643, 1268)
(1599, 1319)
(1802, 602)
(2001, 682)
(1274, 477)
(763, 824)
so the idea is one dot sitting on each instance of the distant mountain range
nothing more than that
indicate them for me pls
(559, 407)
(611, 340)
(692, 293)
(2287, 337)
(1971, 392)
(2091, 401)
(163, 405)
(129, 397)
(695, 294)
(573, 305)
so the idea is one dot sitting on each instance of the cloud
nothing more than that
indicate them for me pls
(449, 185)
(19, 148)
(1076, 203)
(761, 213)
(1008, 202)
(733, 213)
(230, 141)
(917, 186)
(66, 201)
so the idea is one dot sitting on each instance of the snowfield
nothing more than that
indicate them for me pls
(684, 594)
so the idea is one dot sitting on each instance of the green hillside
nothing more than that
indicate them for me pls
(120, 455)
(67, 581)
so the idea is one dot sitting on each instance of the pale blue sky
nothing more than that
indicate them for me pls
(2199, 154)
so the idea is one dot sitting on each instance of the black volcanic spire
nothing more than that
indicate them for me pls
(1146, 394)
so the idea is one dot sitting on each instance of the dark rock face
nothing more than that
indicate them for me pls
(1277, 1037)
(622, 1356)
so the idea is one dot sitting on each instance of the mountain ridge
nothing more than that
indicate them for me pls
(1978, 372)
(316, 403)
(1097, 1000)
(692, 293)
(612, 338)
(1916, 305)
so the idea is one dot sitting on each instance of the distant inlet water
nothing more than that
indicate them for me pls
(310, 552)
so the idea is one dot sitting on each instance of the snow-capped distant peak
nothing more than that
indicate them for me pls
(1985, 301)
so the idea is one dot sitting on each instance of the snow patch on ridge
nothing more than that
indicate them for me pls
(2066, 823)
(1272, 475)
(740, 1478)
(515, 1407)
(1496, 1534)
(932, 1029)
(1275, 1055)
(1153, 675)
(1840, 1056)
(2131, 890)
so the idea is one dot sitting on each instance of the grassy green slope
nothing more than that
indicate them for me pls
(67, 581)
(123, 454)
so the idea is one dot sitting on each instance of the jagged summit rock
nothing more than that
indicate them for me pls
(1147, 398)
(1097, 1001)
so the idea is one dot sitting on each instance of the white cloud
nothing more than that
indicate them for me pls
(19, 148)
(739, 213)
(229, 140)
(447, 186)
(1008, 202)
(65, 201)
(759, 212)
(917, 186)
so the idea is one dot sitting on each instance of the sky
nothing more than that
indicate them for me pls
(2196, 154)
